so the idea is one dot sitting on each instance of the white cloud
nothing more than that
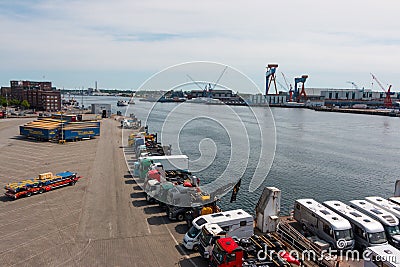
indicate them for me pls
(333, 42)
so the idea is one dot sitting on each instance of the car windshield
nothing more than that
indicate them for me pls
(344, 234)
(377, 238)
(193, 232)
(393, 230)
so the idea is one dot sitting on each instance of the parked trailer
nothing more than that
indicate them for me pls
(44, 183)
(40, 133)
(53, 129)
(74, 133)
(324, 223)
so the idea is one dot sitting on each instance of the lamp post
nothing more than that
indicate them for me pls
(62, 127)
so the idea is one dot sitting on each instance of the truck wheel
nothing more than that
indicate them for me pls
(149, 198)
(41, 190)
(180, 217)
(72, 183)
(29, 194)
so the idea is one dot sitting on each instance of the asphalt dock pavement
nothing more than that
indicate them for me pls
(104, 220)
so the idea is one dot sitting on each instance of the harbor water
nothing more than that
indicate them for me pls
(320, 155)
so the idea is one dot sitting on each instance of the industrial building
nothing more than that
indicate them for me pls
(103, 109)
(40, 95)
(260, 99)
(220, 94)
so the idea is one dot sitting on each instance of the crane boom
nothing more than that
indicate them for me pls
(379, 83)
(388, 99)
(289, 87)
(354, 84)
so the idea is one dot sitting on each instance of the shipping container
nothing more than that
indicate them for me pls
(38, 133)
(54, 129)
(80, 132)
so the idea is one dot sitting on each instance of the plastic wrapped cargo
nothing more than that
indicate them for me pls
(136, 169)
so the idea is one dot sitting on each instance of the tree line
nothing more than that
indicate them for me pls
(13, 102)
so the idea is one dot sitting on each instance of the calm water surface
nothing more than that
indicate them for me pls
(319, 155)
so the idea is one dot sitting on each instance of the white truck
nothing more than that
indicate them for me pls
(324, 223)
(236, 223)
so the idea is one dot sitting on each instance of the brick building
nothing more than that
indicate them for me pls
(5, 91)
(40, 95)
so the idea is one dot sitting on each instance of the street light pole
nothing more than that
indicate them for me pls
(6, 105)
(62, 127)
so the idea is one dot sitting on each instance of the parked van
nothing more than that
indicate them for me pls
(365, 228)
(388, 220)
(236, 223)
(324, 223)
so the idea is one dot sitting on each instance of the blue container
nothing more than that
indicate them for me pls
(65, 175)
(38, 133)
(79, 133)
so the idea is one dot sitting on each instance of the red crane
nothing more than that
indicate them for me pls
(388, 99)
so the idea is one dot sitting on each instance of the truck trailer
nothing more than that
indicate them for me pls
(43, 183)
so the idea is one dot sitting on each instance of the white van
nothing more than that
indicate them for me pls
(365, 228)
(236, 223)
(388, 220)
(324, 223)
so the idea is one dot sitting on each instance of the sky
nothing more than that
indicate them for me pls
(120, 44)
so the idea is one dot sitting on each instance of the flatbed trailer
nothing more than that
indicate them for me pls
(38, 186)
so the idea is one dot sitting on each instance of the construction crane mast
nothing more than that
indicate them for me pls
(388, 100)
(270, 78)
(302, 95)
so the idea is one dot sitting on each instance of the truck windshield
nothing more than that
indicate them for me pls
(393, 230)
(344, 234)
(218, 253)
(193, 232)
(377, 238)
